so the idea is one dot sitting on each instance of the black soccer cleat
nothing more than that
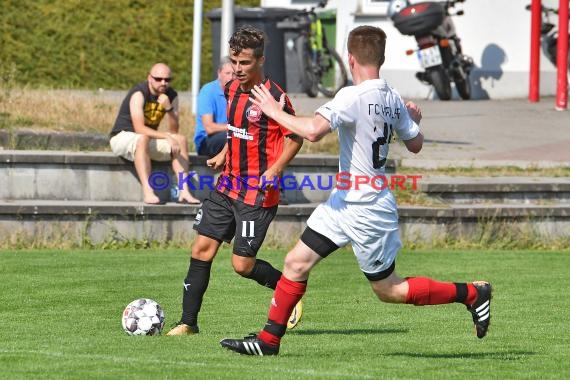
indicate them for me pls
(481, 309)
(250, 337)
(250, 345)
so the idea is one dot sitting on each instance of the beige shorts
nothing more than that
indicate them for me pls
(124, 144)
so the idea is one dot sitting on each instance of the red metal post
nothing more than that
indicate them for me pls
(562, 57)
(534, 74)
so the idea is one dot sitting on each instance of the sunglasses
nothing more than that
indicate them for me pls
(159, 79)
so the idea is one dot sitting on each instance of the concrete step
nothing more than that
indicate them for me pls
(48, 196)
(100, 176)
(103, 221)
(173, 209)
(469, 190)
(23, 138)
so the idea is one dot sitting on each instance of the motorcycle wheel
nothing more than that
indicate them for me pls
(309, 81)
(440, 81)
(461, 77)
(463, 85)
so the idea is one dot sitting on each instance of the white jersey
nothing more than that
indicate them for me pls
(365, 117)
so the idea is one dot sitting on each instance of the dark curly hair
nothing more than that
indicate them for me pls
(248, 37)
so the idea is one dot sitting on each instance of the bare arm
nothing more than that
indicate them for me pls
(291, 147)
(211, 126)
(172, 116)
(136, 105)
(310, 128)
(415, 145)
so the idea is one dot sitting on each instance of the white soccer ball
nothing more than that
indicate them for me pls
(143, 316)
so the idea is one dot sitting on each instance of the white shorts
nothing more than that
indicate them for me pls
(124, 144)
(371, 228)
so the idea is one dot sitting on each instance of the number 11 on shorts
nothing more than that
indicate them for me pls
(248, 232)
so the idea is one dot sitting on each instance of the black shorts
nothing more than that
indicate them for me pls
(222, 218)
(319, 243)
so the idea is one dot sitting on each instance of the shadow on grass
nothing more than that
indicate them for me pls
(348, 332)
(508, 355)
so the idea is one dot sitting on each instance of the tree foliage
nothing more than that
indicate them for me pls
(94, 44)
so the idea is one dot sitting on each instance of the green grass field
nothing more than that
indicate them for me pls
(61, 319)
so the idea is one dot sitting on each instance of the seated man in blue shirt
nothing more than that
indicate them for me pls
(211, 118)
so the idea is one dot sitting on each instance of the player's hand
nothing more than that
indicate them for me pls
(174, 145)
(217, 161)
(265, 101)
(164, 101)
(414, 111)
(270, 179)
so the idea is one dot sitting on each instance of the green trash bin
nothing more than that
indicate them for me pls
(328, 22)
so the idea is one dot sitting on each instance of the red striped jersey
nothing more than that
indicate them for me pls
(255, 142)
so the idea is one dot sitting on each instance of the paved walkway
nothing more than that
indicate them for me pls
(474, 133)
(483, 132)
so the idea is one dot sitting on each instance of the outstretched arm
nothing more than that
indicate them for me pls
(310, 128)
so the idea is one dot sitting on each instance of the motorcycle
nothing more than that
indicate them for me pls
(549, 35)
(439, 49)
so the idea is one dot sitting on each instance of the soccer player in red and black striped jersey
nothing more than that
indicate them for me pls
(255, 145)
(246, 197)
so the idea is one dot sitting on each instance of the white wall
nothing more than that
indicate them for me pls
(495, 33)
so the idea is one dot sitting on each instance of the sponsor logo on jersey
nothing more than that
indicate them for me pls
(253, 113)
(240, 133)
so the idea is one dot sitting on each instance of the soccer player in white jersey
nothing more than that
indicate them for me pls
(365, 116)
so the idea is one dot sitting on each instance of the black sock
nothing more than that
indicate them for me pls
(461, 288)
(264, 274)
(274, 328)
(195, 285)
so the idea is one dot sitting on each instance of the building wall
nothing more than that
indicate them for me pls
(495, 33)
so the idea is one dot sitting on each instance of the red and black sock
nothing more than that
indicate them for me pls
(287, 294)
(425, 291)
